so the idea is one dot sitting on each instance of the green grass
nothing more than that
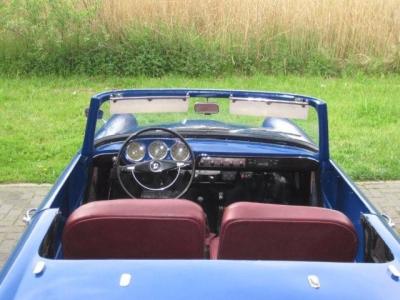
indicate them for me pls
(42, 120)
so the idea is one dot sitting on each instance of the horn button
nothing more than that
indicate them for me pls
(155, 166)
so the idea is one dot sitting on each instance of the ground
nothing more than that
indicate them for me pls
(15, 199)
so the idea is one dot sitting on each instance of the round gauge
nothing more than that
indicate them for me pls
(135, 151)
(158, 150)
(180, 152)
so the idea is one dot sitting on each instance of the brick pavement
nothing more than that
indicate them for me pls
(386, 197)
(16, 199)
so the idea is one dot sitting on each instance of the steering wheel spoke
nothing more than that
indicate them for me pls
(167, 165)
(142, 167)
(184, 164)
(127, 168)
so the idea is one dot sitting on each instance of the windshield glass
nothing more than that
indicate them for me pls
(220, 116)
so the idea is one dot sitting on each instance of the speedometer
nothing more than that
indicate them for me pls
(179, 152)
(135, 151)
(158, 150)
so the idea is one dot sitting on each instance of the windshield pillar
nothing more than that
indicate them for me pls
(322, 111)
(88, 141)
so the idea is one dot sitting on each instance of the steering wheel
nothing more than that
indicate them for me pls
(154, 167)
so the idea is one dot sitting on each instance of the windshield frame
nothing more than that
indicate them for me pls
(97, 100)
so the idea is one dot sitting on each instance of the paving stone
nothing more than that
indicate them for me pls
(5, 208)
(15, 199)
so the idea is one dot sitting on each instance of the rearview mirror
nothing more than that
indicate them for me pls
(207, 108)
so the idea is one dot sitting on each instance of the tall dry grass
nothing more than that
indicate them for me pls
(199, 37)
(345, 27)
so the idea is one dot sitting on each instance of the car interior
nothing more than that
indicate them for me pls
(218, 206)
(206, 189)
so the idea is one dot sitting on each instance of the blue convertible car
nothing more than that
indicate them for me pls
(204, 194)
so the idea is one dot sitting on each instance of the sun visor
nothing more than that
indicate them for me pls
(268, 108)
(148, 105)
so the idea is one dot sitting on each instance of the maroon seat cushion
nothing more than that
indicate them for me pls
(282, 232)
(165, 229)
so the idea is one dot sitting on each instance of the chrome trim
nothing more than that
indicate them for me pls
(208, 172)
(388, 220)
(394, 271)
(125, 279)
(39, 268)
(27, 218)
(296, 101)
(313, 280)
(118, 97)
(131, 168)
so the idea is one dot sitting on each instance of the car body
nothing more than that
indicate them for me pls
(277, 167)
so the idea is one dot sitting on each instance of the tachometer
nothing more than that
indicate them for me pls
(180, 152)
(158, 150)
(135, 151)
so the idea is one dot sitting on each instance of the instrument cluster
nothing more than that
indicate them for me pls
(157, 150)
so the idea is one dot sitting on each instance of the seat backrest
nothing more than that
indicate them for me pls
(163, 228)
(283, 232)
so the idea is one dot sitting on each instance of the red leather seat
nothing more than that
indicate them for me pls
(282, 232)
(164, 229)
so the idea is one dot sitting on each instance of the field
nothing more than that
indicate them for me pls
(54, 54)
(199, 38)
(42, 118)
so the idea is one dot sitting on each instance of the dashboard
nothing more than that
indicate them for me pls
(223, 167)
(216, 160)
(219, 148)
(225, 171)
